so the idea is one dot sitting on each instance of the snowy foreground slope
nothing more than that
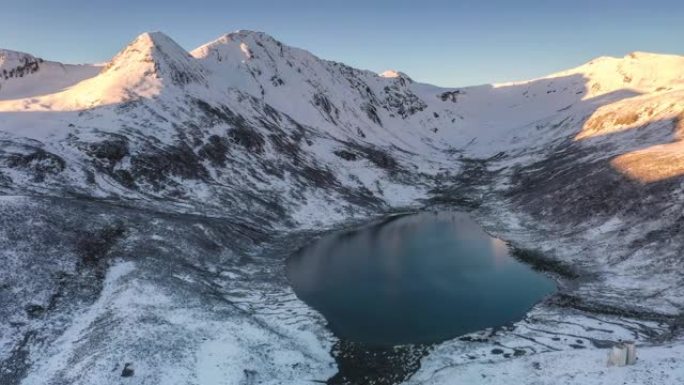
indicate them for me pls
(148, 205)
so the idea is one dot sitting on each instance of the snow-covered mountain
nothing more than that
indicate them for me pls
(23, 75)
(148, 205)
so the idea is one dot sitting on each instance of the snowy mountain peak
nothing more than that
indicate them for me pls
(245, 34)
(394, 74)
(252, 62)
(391, 74)
(144, 68)
(154, 53)
(150, 45)
(15, 64)
(24, 75)
(222, 47)
(239, 45)
(638, 72)
(8, 56)
(155, 37)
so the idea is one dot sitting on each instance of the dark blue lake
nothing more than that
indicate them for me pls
(418, 278)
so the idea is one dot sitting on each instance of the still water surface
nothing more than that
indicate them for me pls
(418, 278)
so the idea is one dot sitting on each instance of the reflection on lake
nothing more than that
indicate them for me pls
(414, 279)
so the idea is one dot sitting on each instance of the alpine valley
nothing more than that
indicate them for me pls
(148, 205)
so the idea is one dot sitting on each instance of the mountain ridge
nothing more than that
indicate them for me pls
(263, 36)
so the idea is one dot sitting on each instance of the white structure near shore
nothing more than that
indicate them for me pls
(623, 353)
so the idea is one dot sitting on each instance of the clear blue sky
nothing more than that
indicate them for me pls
(450, 43)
